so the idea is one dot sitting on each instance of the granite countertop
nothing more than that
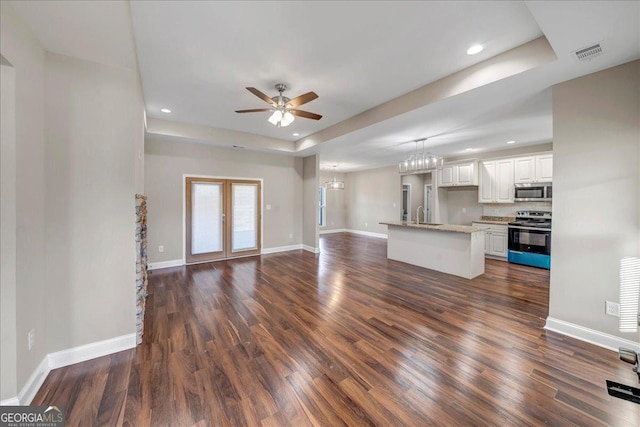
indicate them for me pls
(468, 229)
(497, 220)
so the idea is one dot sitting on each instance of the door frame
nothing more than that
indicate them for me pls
(184, 212)
(408, 200)
(428, 201)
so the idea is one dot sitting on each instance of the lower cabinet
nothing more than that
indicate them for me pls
(495, 240)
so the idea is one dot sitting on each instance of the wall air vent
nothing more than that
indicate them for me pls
(587, 53)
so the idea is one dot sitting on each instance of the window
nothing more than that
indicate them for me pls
(322, 202)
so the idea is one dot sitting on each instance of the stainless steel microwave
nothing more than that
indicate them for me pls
(533, 192)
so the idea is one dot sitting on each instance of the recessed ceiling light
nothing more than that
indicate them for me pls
(165, 110)
(511, 142)
(296, 134)
(476, 48)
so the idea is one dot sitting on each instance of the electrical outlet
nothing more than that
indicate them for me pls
(612, 308)
(161, 248)
(31, 338)
(291, 235)
(366, 224)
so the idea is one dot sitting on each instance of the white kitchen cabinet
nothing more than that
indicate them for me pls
(495, 240)
(446, 176)
(458, 174)
(496, 181)
(544, 168)
(532, 169)
(498, 246)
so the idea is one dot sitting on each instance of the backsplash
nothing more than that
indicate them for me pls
(510, 209)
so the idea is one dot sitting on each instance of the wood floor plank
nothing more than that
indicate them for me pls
(346, 337)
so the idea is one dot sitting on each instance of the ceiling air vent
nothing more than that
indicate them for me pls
(587, 53)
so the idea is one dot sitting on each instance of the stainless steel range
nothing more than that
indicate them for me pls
(530, 239)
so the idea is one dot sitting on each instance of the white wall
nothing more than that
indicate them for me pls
(335, 203)
(165, 164)
(596, 193)
(25, 54)
(510, 209)
(373, 195)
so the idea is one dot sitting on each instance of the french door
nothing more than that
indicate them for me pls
(222, 218)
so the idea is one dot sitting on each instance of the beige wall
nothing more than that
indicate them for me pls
(372, 196)
(311, 185)
(335, 203)
(76, 128)
(165, 164)
(417, 193)
(8, 361)
(22, 50)
(463, 206)
(596, 197)
(94, 123)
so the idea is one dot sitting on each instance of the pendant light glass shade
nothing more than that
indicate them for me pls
(334, 184)
(420, 161)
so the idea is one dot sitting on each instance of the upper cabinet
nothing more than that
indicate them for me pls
(496, 181)
(533, 169)
(458, 174)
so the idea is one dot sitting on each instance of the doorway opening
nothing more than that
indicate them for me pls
(406, 202)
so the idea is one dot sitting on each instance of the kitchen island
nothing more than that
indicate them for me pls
(448, 248)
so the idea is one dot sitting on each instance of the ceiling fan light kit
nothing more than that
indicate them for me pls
(283, 109)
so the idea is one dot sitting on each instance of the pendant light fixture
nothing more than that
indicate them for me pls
(420, 161)
(334, 184)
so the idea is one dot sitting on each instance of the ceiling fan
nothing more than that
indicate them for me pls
(283, 108)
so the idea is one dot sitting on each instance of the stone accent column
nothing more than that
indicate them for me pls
(141, 263)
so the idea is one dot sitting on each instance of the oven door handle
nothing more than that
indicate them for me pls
(517, 227)
(516, 252)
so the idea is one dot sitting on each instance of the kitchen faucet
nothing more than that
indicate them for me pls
(418, 214)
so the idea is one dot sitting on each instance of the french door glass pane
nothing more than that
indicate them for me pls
(206, 217)
(245, 220)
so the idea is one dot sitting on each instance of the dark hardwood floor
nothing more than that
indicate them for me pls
(346, 337)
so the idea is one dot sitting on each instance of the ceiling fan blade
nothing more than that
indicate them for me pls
(302, 99)
(255, 110)
(306, 114)
(261, 95)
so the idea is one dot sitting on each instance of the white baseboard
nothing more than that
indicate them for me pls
(33, 384)
(68, 357)
(13, 401)
(165, 264)
(591, 336)
(91, 351)
(367, 233)
(311, 249)
(335, 230)
(281, 249)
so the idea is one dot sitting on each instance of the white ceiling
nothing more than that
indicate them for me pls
(197, 57)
